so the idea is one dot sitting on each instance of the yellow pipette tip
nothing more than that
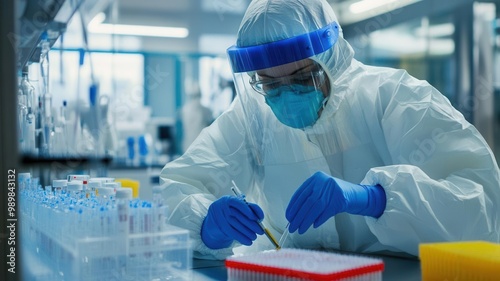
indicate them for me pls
(273, 240)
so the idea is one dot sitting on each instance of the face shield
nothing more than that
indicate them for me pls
(282, 89)
(284, 76)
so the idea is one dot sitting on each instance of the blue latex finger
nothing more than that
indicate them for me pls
(250, 223)
(240, 232)
(304, 203)
(302, 211)
(240, 205)
(219, 213)
(298, 199)
(323, 218)
(257, 211)
(335, 196)
(306, 209)
(318, 206)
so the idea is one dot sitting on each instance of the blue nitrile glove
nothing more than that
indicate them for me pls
(230, 218)
(321, 197)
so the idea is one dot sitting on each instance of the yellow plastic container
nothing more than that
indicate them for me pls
(472, 260)
(129, 183)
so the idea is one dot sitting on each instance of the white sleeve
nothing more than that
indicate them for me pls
(443, 183)
(204, 173)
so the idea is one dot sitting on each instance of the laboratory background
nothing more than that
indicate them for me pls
(99, 94)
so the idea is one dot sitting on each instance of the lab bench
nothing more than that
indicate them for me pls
(395, 269)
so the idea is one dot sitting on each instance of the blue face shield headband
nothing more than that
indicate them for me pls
(295, 100)
(252, 58)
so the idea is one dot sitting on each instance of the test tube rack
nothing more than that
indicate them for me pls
(85, 240)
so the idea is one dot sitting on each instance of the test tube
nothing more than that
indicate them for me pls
(24, 180)
(85, 188)
(284, 236)
(159, 208)
(113, 185)
(78, 177)
(103, 179)
(123, 197)
(48, 191)
(75, 188)
(93, 186)
(59, 186)
(106, 196)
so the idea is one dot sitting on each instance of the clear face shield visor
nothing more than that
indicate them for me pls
(295, 99)
(283, 77)
(281, 88)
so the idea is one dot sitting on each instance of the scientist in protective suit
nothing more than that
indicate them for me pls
(348, 156)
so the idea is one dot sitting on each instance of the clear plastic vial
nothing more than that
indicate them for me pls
(78, 177)
(114, 185)
(22, 111)
(85, 189)
(123, 197)
(24, 180)
(103, 179)
(29, 129)
(74, 189)
(105, 196)
(92, 188)
(59, 187)
(160, 209)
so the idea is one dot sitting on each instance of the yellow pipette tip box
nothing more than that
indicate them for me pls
(129, 183)
(470, 260)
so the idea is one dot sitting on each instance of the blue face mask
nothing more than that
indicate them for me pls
(296, 105)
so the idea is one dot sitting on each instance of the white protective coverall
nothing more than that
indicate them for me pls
(380, 126)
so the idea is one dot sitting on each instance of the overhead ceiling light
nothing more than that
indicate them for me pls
(438, 30)
(97, 19)
(353, 11)
(96, 26)
(364, 6)
(140, 30)
(367, 5)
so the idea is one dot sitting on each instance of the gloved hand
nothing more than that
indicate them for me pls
(230, 218)
(321, 197)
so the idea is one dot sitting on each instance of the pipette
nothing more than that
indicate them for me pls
(269, 235)
(284, 235)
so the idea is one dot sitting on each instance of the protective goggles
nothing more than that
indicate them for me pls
(300, 82)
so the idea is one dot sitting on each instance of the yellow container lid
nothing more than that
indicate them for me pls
(469, 260)
(130, 183)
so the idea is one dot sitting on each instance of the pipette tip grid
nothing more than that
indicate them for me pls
(299, 264)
